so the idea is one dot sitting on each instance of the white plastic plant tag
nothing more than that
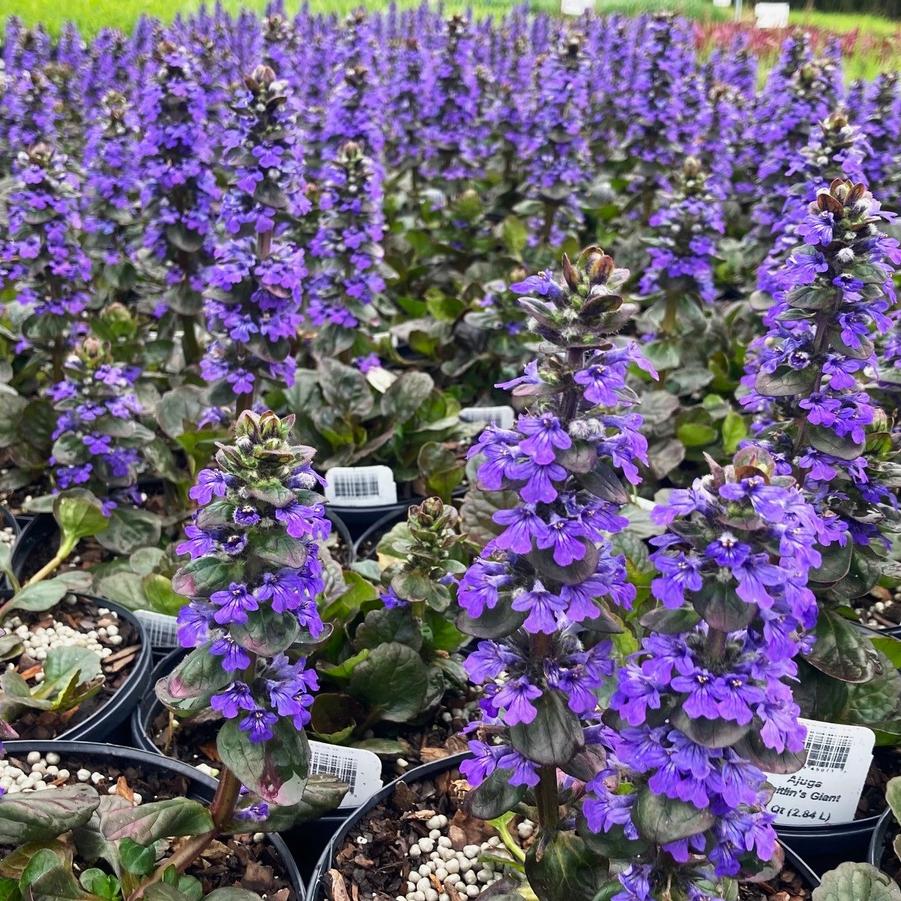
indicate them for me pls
(361, 770)
(828, 787)
(360, 486)
(502, 417)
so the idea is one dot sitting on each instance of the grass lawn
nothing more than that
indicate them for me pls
(92, 15)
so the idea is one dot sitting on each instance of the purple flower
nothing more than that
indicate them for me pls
(210, 483)
(234, 604)
(233, 699)
(258, 725)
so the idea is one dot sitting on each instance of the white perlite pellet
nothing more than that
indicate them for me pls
(435, 864)
(44, 772)
(39, 641)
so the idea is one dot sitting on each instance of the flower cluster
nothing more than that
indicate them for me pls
(542, 594)
(178, 188)
(705, 705)
(254, 575)
(806, 377)
(346, 277)
(44, 255)
(112, 194)
(97, 437)
(836, 149)
(686, 225)
(253, 307)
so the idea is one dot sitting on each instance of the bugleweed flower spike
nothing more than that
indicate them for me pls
(542, 595)
(253, 578)
(705, 705)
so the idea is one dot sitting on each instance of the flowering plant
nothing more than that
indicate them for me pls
(704, 706)
(365, 414)
(401, 661)
(543, 595)
(807, 384)
(253, 578)
(253, 307)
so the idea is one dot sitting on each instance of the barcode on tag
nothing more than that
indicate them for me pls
(361, 770)
(827, 751)
(502, 417)
(360, 486)
(827, 788)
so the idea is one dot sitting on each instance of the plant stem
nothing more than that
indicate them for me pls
(547, 799)
(189, 346)
(46, 570)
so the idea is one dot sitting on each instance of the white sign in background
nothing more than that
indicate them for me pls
(828, 788)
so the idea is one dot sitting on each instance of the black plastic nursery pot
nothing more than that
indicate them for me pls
(359, 519)
(825, 847)
(315, 887)
(368, 540)
(35, 536)
(103, 722)
(202, 787)
(880, 842)
(306, 840)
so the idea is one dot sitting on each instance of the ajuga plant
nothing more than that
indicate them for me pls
(705, 706)
(346, 280)
(695, 343)
(111, 192)
(836, 149)
(879, 115)
(178, 189)
(806, 383)
(559, 163)
(800, 92)
(252, 581)
(96, 406)
(545, 594)
(392, 658)
(46, 263)
(253, 306)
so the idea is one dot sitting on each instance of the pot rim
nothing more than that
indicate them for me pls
(323, 865)
(87, 748)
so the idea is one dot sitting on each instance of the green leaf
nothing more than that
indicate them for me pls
(41, 862)
(495, 796)
(842, 649)
(710, 733)
(392, 681)
(752, 749)
(346, 606)
(893, 796)
(662, 820)
(63, 662)
(786, 382)
(281, 549)
(139, 859)
(857, 881)
(158, 590)
(79, 514)
(188, 688)
(734, 431)
(405, 396)
(565, 870)
(9, 889)
(148, 823)
(386, 625)
(203, 576)
(345, 388)
(555, 734)
(696, 434)
(39, 816)
(14, 864)
(829, 442)
(514, 234)
(669, 622)
(57, 884)
(179, 409)
(129, 529)
(721, 608)
(40, 596)
(266, 632)
(276, 770)
(341, 672)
